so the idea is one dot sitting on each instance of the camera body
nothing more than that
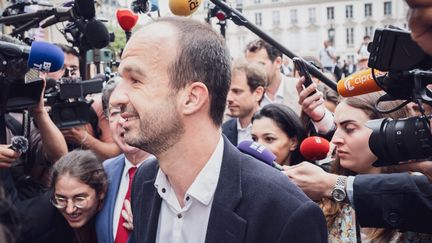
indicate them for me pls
(67, 99)
(408, 68)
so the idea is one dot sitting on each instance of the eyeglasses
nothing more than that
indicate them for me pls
(61, 202)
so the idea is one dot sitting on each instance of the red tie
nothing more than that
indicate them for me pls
(122, 233)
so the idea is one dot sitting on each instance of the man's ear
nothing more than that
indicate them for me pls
(278, 61)
(195, 96)
(258, 93)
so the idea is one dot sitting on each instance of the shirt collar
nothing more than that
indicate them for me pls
(239, 128)
(280, 90)
(204, 186)
(129, 165)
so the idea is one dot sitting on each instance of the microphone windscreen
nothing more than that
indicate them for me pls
(257, 151)
(86, 8)
(45, 57)
(314, 148)
(19, 144)
(184, 7)
(359, 83)
(140, 6)
(126, 19)
(97, 34)
(154, 5)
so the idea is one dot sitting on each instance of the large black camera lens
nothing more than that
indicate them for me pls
(393, 141)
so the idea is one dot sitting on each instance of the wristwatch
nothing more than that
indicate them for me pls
(338, 192)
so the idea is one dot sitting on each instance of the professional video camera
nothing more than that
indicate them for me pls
(409, 73)
(17, 90)
(69, 107)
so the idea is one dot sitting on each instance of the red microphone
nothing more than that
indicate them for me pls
(127, 20)
(315, 148)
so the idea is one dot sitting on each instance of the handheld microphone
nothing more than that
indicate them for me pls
(126, 19)
(45, 57)
(184, 7)
(259, 152)
(19, 144)
(359, 83)
(314, 148)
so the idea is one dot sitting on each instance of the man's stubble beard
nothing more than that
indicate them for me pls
(158, 132)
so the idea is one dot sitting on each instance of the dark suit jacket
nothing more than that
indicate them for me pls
(253, 202)
(399, 201)
(104, 219)
(229, 129)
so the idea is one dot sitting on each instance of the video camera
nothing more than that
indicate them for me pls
(67, 98)
(409, 73)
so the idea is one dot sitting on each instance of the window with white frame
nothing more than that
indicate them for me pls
(312, 15)
(387, 8)
(258, 19)
(349, 11)
(293, 16)
(330, 13)
(368, 10)
(350, 37)
(276, 17)
(369, 31)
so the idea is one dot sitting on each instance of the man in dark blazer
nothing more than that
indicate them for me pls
(248, 82)
(176, 74)
(252, 203)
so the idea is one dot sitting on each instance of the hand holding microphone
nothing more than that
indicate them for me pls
(10, 153)
(312, 179)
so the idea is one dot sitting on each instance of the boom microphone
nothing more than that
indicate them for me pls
(126, 19)
(85, 8)
(140, 6)
(314, 148)
(184, 7)
(259, 152)
(359, 83)
(80, 8)
(19, 144)
(42, 56)
(97, 34)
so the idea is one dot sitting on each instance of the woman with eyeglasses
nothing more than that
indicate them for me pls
(79, 184)
(66, 212)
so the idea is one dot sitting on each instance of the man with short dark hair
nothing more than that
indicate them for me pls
(201, 189)
(248, 82)
(280, 89)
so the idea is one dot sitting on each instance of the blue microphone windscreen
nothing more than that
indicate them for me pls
(45, 57)
(154, 5)
(257, 151)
